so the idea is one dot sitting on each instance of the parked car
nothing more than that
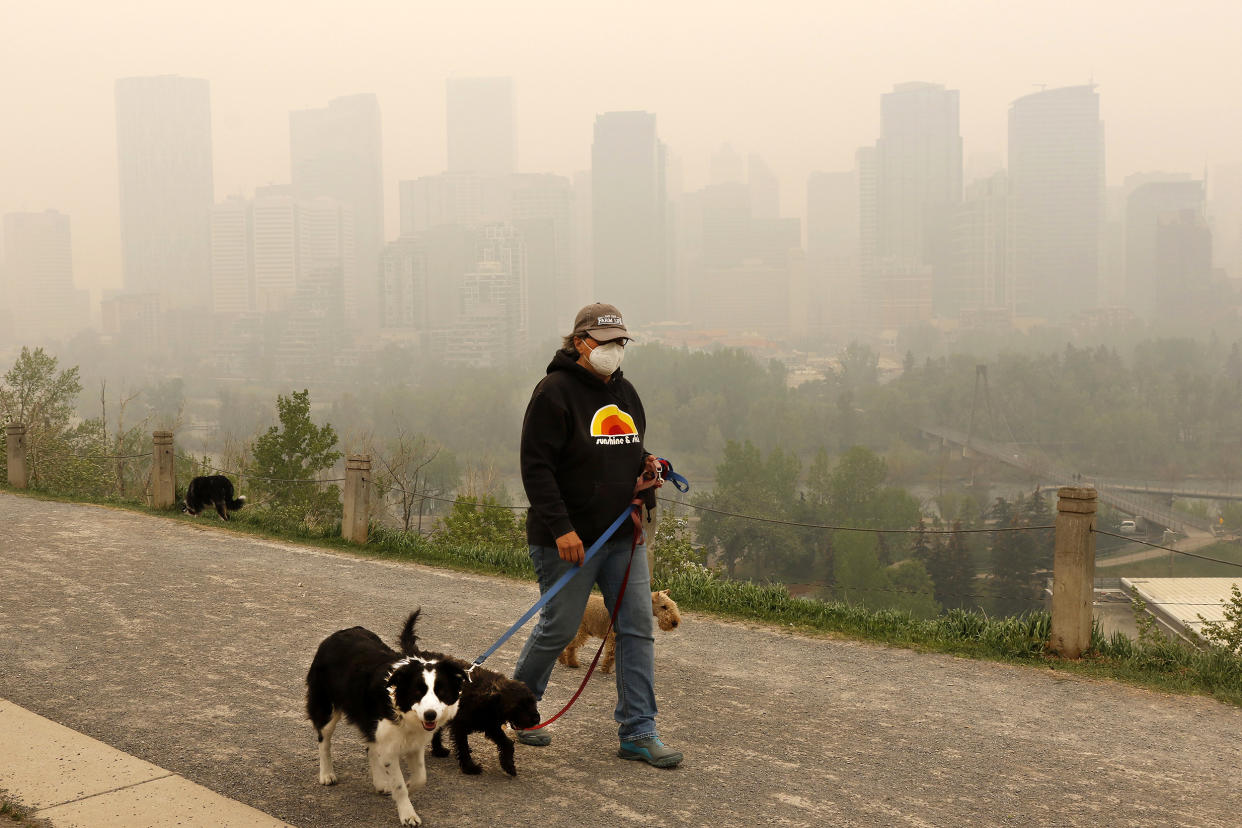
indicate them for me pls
(1128, 527)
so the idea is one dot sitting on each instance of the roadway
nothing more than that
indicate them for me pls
(187, 645)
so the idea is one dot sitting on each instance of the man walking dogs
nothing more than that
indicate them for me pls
(582, 457)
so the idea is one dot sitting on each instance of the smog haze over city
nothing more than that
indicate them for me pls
(817, 219)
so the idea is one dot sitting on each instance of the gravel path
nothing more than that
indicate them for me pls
(187, 646)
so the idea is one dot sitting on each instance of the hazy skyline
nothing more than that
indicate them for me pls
(797, 83)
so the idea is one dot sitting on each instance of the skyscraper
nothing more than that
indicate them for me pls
(1154, 210)
(337, 152)
(629, 210)
(437, 200)
(832, 214)
(1056, 177)
(765, 189)
(275, 247)
(542, 209)
(36, 280)
(232, 276)
(479, 117)
(919, 178)
(163, 136)
(981, 272)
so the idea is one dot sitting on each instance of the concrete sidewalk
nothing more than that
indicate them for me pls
(69, 779)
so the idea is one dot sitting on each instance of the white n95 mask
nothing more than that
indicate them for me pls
(607, 358)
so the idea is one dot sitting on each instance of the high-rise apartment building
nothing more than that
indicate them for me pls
(404, 268)
(336, 152)
(832, 263)
(274, 217)
(1225, 214)
(36, 280)
(629, 213)
(919, 179)
(479, 117)
(980, 272)
(765, 189)
(163, 132)
(437, 200)
(232, 274)
(583, 240)
(1175, 210)
(1056, 177)
(266, 251)
(542, 209)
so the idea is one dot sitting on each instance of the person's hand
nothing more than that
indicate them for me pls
(569, 547)
(651, 464)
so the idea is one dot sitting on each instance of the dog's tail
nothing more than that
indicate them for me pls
(408, 640)
(234, 505)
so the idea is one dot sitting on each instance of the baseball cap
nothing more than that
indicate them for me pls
(602, 322)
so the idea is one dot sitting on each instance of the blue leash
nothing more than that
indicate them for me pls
(556, 587)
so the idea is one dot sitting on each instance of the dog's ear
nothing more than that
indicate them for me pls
(664, 592)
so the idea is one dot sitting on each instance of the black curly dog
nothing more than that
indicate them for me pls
(488, 700)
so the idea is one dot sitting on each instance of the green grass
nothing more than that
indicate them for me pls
(1160, 665)
(12, 811)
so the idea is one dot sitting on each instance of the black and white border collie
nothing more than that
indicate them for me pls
(215, 490)
(398, 702)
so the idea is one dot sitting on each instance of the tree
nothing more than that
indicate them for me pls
(413, 469)
(1015, 559)
(912, 589)
(287, 458)
(1226, 634)
(36, 394)
(858, 576)
(854, 484)
(952, 569)
(860, 366)
(749, 485)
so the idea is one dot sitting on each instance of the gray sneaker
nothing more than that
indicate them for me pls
(652, 751)
(534, 738)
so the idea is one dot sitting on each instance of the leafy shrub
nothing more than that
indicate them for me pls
(481, 521)
(673, 550)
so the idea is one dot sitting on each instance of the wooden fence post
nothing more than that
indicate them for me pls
(1073, 572)
(357, 498)
(163, 474)
(19, 472)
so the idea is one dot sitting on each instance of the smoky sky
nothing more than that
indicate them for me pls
(798, 83)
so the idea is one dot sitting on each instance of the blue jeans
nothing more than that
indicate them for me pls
(560, 617)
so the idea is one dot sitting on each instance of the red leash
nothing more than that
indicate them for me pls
(638, 534)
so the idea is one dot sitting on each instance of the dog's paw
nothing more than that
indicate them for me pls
(327, 778)
(440, 751)
(407, 814)
(509, 768)
(473, 769)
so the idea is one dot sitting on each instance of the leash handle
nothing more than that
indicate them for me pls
(616, 608)
(678, 480)
(556, 587)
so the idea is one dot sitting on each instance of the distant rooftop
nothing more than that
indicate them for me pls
(1182, 600)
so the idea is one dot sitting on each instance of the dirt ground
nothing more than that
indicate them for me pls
(188, 646)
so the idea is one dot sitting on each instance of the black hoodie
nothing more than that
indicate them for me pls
(582, 452)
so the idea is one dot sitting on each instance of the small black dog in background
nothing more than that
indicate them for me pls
(215, 490)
